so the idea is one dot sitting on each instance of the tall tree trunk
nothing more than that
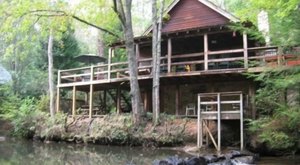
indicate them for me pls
(50, 73)
(124, 14)
(156, 54)
(155, 88)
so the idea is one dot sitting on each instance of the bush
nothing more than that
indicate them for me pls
(279, 122)
(21, 113)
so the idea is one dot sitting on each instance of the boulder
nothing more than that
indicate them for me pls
(211, 158)
(196, 161)
(243, 160)
(223, 162)
(173, 160)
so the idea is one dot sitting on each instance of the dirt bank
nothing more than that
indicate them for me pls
(117, 130)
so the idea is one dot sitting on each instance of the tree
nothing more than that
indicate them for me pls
(278, 123)
(50, 73)
(37, 14)
(156, 54)
(123, 10)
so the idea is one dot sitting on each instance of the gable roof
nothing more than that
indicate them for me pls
(223, 13)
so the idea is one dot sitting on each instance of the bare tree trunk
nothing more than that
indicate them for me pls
(124, 14)
(50, 73)
(155, 88)
(156, 54)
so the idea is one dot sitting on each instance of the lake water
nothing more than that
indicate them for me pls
(18, 152)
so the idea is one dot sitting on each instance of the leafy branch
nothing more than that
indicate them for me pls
(60, 13)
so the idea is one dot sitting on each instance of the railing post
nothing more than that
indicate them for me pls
(245, 45)
(169, 54)
(205, 52)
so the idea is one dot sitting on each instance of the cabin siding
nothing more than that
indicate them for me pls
(191, 14)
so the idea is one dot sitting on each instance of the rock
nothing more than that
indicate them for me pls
(173, 160)
(243, 160)
(224, 162)
(2, 138)
(232, 154)
(211, 158)
(196, 161)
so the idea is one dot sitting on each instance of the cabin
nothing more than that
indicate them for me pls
(202, 72)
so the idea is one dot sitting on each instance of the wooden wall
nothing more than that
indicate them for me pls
(188, 94)
(189, 14)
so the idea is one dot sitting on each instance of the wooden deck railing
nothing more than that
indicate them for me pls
(179, 64)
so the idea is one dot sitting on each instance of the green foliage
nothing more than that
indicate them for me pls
(43, 103)
(53, 127)
(65, 50)
(21, 114)
(279, 122)
(284, 18)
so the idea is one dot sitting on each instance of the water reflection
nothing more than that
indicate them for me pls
(33, 153)
(18, 152)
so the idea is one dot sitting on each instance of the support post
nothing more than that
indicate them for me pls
(137, 53)
(146, 101)
(177, 100)
(199, 123)
(241, 120)
(219, 122)
(74, 102)
(252, 100)
(245, 44)
(118, 100)
(91, 101)
(58, 92)
(205, 52)
(104, 100)
(110, 51)
(57, 99)
(86, 98)
(169, 54)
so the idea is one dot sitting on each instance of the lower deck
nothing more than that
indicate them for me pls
(178, 96)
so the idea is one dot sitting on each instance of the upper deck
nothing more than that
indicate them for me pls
(253, 59)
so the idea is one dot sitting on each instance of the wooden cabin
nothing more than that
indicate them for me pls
(202, 70)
